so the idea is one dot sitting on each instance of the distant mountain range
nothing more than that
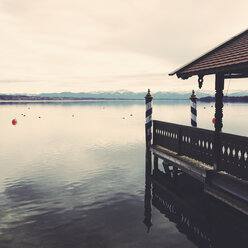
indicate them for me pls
(121, 95)
(127, 95)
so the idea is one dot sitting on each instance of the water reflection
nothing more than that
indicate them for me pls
(32, 217)
(175, 111)
(205, 221)
(148, 193)
(79, 181)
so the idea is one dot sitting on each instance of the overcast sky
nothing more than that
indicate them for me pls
(101, 45)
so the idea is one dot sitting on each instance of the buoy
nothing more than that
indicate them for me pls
(14, 122)
(213, 120)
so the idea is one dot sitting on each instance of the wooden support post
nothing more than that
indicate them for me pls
(175, 172)
(219, 86)
(193, 109)
(148, 127)
(166, 167)
(155, 162)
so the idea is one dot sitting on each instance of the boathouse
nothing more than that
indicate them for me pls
(218, 160)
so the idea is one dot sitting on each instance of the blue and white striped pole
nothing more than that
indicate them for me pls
(193, 109)
(148, 99)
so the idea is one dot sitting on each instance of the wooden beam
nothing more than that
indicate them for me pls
(219, 86)
(236, 75)
(196, 169)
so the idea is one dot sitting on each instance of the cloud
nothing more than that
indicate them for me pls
(60, 40)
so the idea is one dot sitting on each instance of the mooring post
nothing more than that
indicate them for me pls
(193, 109)
(148, 126)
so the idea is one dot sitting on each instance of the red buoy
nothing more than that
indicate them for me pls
(213, 120)
(14, 122)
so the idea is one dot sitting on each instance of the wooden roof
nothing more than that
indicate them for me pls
(230, 58)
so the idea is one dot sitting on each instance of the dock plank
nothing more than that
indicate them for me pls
(221, 185)
(194, 168)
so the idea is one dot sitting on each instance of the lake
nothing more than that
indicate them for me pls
(74, 175)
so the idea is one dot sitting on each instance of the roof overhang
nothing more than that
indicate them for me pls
(229, 58)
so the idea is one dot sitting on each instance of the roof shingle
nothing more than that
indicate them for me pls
(230, 57)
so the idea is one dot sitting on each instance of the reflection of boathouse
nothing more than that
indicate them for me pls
(205, 221)
(219, 161)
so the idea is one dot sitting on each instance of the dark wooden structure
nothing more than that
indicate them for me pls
(219, 160)
(204, 221)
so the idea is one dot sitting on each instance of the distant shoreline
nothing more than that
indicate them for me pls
(33, 99)
(225, 99)
(116, 96)
(80, 100)
(68, 100)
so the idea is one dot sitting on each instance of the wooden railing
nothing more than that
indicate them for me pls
(234, 154)
(231, 155)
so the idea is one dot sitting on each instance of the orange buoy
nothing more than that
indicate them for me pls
(213, 120)
(14, 122)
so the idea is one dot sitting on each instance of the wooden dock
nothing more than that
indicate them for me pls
(218, 160)
(205, 221)
(192, 151)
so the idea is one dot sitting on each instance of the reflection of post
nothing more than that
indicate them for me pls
(148, 99)
(148, 194)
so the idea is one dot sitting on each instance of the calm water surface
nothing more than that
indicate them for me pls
(73, 175)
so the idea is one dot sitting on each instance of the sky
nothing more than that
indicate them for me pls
(109, 45)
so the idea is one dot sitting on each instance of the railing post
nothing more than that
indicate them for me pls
(219, 86)
(193, 109)
(148, 126)
(179, 141)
